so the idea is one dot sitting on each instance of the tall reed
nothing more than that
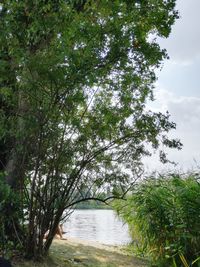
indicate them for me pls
(163, 214)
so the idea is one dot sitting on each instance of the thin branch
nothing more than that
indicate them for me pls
(92, 198)
(16, 232)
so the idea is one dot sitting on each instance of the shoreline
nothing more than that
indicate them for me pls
(80, 253)
(77, 241)
(74, 252)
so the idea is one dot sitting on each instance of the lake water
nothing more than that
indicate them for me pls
(97, 225)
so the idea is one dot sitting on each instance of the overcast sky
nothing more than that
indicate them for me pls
(178, 85)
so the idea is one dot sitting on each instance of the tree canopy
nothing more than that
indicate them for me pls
(75, 79)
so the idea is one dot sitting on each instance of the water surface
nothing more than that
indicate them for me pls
(97, 225)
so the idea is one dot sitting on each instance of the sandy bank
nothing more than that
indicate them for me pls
(77, 241)
(76, 252)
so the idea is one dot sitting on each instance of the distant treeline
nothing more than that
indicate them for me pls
(92, 204)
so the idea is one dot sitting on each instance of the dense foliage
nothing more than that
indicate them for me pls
(10, 211)
(75, 78)
(163, 215)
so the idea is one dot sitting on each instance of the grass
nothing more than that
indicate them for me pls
(75, 254)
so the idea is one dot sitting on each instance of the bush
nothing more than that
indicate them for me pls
(164, 215)
(10, 216)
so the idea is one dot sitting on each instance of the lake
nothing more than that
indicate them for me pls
(97, 225)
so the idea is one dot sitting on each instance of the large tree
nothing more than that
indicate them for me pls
(75, 79)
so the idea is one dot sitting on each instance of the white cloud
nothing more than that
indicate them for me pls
(185, 112)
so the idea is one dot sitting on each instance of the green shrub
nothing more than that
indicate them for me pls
(10, 216)
(164, 216)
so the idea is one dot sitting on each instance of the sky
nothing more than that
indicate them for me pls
(178, 87)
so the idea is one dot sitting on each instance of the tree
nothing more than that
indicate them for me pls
(75, 78)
